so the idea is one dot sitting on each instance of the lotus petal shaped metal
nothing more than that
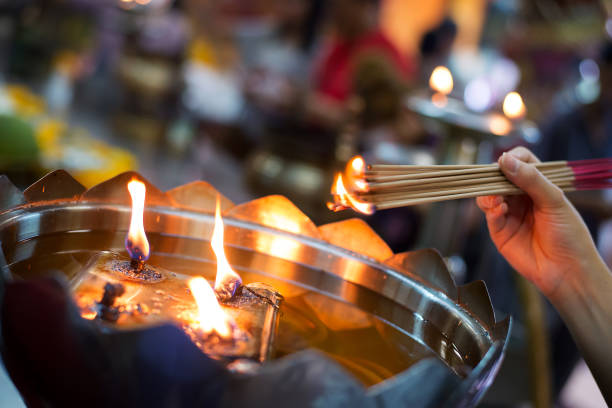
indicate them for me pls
(428, 265)
(356, 235)
(199, 196)
(114, 191)
(54, 186)
(10, 196)
(474, 296)
(278, 212)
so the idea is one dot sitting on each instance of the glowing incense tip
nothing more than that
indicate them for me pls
(358, 164)
(344, 199)
(136, 242)
(211, 316)
(227, 280)
(355, 174)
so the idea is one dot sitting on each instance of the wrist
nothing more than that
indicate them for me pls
(586, 284)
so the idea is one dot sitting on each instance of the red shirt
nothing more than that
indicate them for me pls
(335, 74)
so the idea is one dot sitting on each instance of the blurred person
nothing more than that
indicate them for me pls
(279, 60)
(436, 46)
(544, 238)
(356, 37)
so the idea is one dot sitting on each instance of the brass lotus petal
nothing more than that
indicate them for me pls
(54, 186)
(114, 191)
(501, 329)
(278, 212)
(356, 235)
(428, 265)
(200, 196)
(474, 296)
(10, 196)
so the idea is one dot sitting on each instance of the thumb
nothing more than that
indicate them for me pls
(528, 178)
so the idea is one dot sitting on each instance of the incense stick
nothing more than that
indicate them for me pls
(390, 186)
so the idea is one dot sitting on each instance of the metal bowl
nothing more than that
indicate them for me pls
(413, 293)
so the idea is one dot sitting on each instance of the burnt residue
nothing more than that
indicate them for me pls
(106, 306)
(136, 271)
(254, 292)
(229, 290)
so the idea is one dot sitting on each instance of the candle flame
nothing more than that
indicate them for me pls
(441, 80)
(136, 241)
(343, 199)
(227, 280)
(513, 106)
(210, 316)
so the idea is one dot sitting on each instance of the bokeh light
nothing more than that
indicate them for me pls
(513, 106)
(441, 80)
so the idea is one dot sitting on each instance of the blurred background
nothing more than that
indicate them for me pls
(265, 97)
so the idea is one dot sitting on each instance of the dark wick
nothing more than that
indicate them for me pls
(137, 265)
(228, 290)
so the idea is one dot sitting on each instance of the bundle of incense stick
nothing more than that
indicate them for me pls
(376, 187)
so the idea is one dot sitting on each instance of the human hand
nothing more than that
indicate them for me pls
(540, 233)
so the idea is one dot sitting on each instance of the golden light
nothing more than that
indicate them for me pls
(499, 125)
(136, 241)
(89, 314)
(439, 100)
(441, 80)
(227, 280)
(343, 198)
(355, 174)
(513, 106)
(210, 316)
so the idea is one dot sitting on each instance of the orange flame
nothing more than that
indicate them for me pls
(211, 316)
(227, 280)
(513, 106)
(355, 174)
(441, 80)
(136, 241)
(344, 199)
